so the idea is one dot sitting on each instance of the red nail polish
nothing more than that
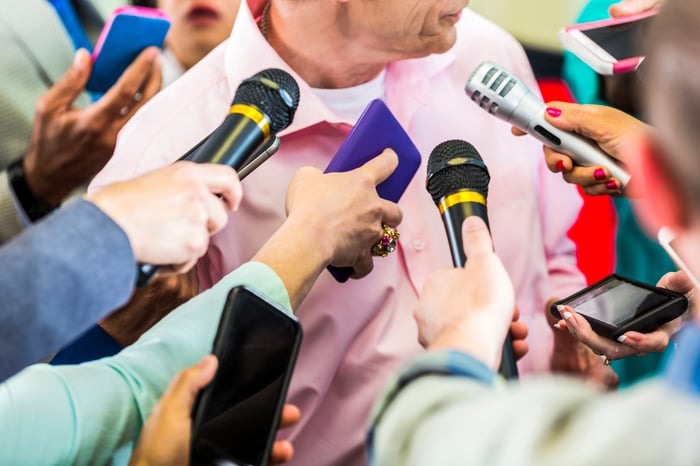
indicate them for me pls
(599, 174)
(553, 112)
(611, 185)
(560, 166)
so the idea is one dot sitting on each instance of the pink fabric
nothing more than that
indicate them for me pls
(358, 333)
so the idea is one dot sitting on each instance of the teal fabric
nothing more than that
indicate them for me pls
(637, 256)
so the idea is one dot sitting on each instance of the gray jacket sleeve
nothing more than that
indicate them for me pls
(459, 420)
(57, 278)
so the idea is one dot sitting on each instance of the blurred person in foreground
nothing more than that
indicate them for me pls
(449, 407)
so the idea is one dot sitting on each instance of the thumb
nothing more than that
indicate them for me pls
(476, 237)
(68, 88)
(181, 394)
(382, 166)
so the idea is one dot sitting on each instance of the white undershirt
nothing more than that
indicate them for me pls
(351, 101)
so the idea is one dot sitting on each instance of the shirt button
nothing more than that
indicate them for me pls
(419, 244)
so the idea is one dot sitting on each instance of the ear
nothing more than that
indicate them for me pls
(662, 203)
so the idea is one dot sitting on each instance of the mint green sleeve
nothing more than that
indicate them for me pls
(86, 414)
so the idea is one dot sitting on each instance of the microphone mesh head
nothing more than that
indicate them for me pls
(274, 92)
(456, 166)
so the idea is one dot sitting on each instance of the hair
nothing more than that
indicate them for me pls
(146, 3)
(673, 92)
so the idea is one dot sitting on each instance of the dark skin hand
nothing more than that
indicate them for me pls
(69, 145)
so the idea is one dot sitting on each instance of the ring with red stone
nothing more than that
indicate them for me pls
(387, 243)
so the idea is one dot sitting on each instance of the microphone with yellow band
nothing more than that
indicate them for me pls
(263, 105)
(458, 181)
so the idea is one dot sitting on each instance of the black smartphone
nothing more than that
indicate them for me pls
(616, 305)
(236, 417)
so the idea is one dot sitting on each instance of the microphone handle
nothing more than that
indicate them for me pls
(235, 143)
(453, 218)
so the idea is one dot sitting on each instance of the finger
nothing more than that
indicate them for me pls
(217, 216)
(476, 237)
(183, 390)
(654, 342)
(362, 266)
(518, 330)
(676, 281)
(568, 117)
(587, 176)
(631, 7)
(290, 415)
(516, 314)
(609, 188)
(62, 94)
(557, 162)
(282, 452)
(520, 349)
(121, 95)
(391, 213)
(382, 166)
(152, 84)
(219, 179)
(517, 131)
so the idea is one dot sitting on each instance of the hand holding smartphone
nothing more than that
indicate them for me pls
(376, 129)
(235, 419)
(616, 305)
(610, 46)
(126, 33)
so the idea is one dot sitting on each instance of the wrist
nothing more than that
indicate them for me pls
(473, 339)
(33, 206)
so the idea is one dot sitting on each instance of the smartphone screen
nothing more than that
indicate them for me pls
(621, 41)
(615, 301)
(235, 418)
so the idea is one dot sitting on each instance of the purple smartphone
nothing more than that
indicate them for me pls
(376, 130)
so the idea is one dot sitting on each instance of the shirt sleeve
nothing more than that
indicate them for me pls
(92, 411)
(57, 278)
(454, 419)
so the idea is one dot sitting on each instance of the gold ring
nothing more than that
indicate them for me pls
(387, 243)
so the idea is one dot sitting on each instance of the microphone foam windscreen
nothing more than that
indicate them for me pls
(274, 92)
(456, 166)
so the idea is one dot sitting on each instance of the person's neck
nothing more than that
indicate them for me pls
(330, 63)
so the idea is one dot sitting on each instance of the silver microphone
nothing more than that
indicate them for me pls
(501, 94)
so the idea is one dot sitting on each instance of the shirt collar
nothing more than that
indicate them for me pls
(247, 53)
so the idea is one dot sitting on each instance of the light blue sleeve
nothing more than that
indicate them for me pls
(84, 414)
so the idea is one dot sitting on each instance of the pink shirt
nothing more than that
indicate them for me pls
(358, 333)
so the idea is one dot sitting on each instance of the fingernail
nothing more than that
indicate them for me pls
(567, 315)
(611, 185)
(599, 174)
(557, 326)
(553, 112)
(622, 338)
(138, 96)
(560, 307)
(560, 166)
(152, 53)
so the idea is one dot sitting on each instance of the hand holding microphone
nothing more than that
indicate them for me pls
(458, 182)
(606, 126)
(504, 96)
(263, 105)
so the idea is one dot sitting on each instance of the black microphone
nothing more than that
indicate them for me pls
(263, 105)
(458, 181)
